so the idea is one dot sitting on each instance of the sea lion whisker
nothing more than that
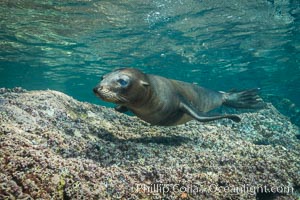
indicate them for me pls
(122, 98)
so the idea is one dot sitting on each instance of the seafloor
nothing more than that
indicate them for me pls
(54, 147)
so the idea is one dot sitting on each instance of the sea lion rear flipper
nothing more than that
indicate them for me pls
(188, 109)
(243, 99)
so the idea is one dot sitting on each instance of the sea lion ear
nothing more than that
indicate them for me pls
(144, 83)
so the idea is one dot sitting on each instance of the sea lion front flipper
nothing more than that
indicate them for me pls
(121, 109)
(188, 109)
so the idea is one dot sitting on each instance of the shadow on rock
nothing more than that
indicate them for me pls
(174, 140)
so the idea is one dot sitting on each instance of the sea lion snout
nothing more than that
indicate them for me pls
(109, 93)
(96, 89)
(99, 90)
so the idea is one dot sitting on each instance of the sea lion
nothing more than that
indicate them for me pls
(166, 102)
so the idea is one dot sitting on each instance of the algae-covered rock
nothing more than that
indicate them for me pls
(54, 147)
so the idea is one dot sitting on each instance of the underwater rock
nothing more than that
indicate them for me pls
(53, 146)
(286, 107)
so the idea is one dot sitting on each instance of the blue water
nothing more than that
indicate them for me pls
(69, 45)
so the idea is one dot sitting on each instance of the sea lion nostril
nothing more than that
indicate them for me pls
(95, 90)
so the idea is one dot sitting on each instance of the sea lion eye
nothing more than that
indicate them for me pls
(122, 82)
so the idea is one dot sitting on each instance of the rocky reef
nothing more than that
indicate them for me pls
(55, 147)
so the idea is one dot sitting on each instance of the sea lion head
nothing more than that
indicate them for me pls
(124, 86)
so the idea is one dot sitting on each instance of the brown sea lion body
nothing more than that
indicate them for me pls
(161, 101)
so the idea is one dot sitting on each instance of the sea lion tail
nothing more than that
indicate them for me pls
(243, 99)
